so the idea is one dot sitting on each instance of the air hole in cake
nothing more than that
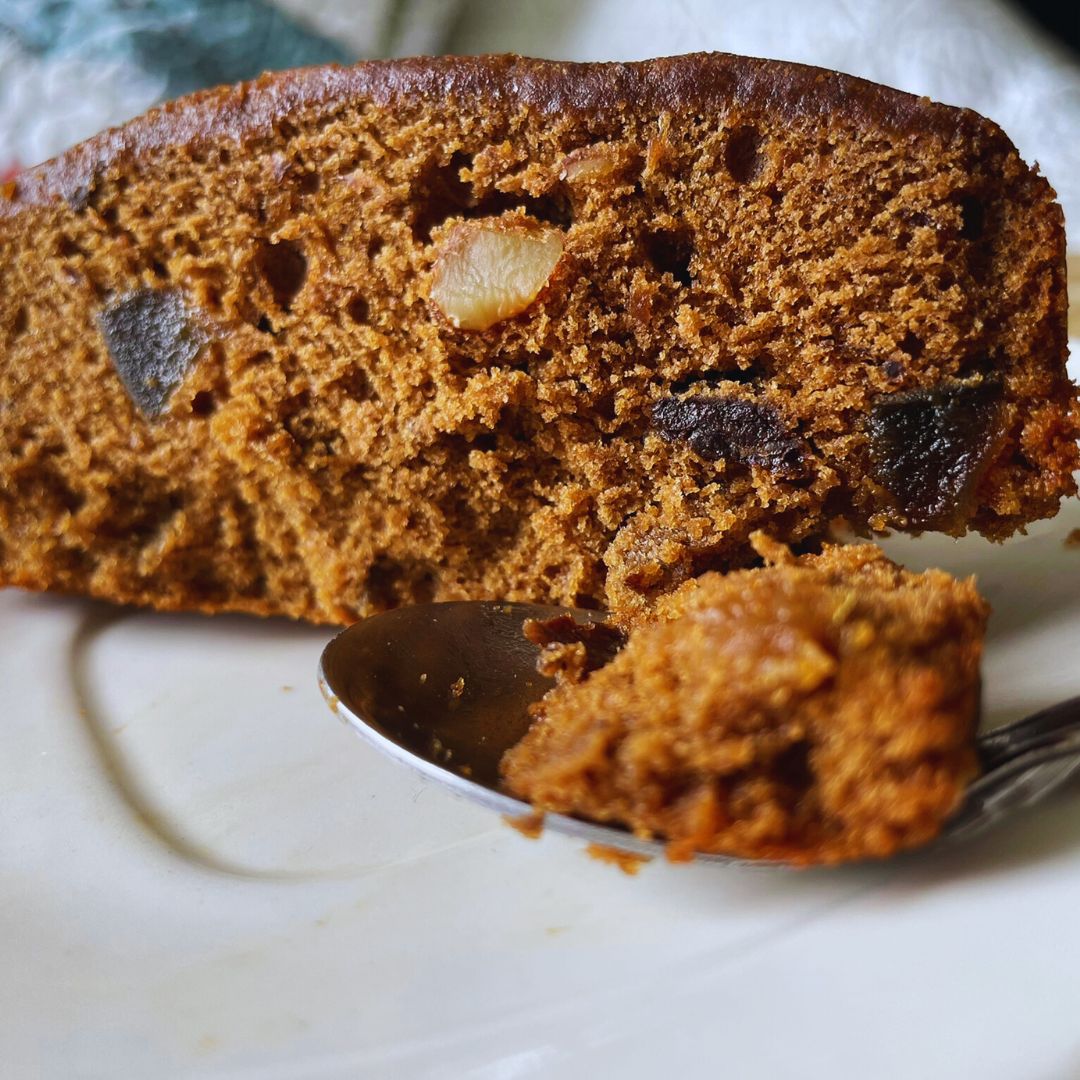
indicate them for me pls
(110, 215)
(19, 324)
(553, 207)
(203, 404)
(67, 248)
(262, 324)
(139, 509)
(671, 251)
(390, 582)
(159, 269)
(205, 580)
(45, 483)
(972, 217)
(912, 344)
(355, 384)
(487, 441)
(357, 309)
(461, 364)
(742, 376)
(286, 129)
(375, 245)
(443, 195)
(586, 602)
(423, 588)
(284, 267)
(604, 406)
(743, 157)
(308, 183)
(224, 157)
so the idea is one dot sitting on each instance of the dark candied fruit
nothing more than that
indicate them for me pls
(930, 447)
(749, 432)
(152, 339)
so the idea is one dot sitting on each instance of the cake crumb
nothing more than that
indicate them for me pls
(457, 687)
(748, 720)
(531, 826)
(629, 862)
(1073, 539)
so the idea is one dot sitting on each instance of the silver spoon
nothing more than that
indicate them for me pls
(445, 688)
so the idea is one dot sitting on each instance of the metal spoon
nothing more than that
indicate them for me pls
(446, 688)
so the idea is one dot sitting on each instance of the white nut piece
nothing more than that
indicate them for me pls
(488, 271)
(590, 163)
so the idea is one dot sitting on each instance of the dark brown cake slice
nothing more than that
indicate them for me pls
(490, 327)
(817, 710)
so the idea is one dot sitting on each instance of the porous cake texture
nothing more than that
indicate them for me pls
(341, 339)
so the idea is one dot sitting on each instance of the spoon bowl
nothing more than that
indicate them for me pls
(446, 688)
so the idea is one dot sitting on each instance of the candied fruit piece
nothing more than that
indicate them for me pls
(152, 339)
(930, 447)
(749, 432)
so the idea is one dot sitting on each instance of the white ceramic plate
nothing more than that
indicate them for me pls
(203, 874)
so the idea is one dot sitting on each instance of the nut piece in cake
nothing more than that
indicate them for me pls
(590, 163)
(488, 271)
(818, 710)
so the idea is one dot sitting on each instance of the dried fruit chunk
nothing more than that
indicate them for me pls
(750, 432)
(930, 448)
(488, 271)
(152, 339)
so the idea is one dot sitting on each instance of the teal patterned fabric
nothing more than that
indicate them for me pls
(193, 43)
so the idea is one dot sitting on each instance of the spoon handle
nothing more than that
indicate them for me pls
(1057, 725)
(1022, 762)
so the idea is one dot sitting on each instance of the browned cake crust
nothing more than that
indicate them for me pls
(815, 711)
(239, 370)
